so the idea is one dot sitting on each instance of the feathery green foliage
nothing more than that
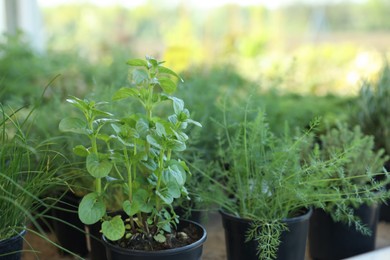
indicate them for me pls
(266, 178)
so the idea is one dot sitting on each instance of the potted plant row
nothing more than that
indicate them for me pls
(136, 149)
(267, 187)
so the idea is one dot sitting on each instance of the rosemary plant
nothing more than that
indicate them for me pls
(265, 178)
(374, 109)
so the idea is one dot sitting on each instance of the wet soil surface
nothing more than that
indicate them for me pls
(214, 248)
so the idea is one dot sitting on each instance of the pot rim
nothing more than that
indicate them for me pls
(15, 237)
(165, 252)
(299, 218)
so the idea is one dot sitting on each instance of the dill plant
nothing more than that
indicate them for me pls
(267, 178)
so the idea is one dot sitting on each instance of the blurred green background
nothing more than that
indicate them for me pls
(296, 59)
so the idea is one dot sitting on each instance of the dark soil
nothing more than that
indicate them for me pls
(184, 236)
(214, 247)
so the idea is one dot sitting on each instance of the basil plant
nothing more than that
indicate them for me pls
(136, 151)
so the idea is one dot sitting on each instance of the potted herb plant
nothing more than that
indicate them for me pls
(373, 116)
(329, 239)
(136, 149)
(266, 187)
(27, 171)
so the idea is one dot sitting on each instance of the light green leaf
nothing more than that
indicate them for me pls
(178, 105)
(125, 93)
(131, 208)
(190, 121)
(97, 168)
(174, 174)
(114, 229)
(80, 151)
(137, 63)
(174, 189)
(165, 70)
(167, 85)
(142, 127)
(91, 209)
(160, 129)
(139, 76)
(152, 141)
(74, 125)
(160, 238)
(165, 196)
(176, 145)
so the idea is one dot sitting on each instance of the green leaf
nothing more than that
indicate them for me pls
(114, 229)
(160, 129)
(131, 208)
(97, 168)
(174, 174)
(142, 196)
(103, 137)
(125, 93)
(80, 151)
(91, 208)
(137, 63)
(174, 189)
(79, 103)
(167, 85)
(176, 145)
(142, 127)
(165, 196)
(152, 141)
(165, 70)
(139, 76)
(190, 121)
(178, 105)
(160, 238)
(74, 125)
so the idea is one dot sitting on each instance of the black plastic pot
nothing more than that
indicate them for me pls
(293, 241)
(68, 228)
(98, 250)
(385, 208)
(189, 252)
(334, 240)
(193, 215)
(11, 248)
